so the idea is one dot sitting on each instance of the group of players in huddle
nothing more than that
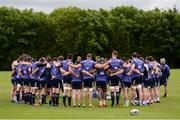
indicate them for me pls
(33, 81)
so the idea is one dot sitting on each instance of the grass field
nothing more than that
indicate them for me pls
(169, 108)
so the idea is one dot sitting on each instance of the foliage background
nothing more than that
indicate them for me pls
(79, 31)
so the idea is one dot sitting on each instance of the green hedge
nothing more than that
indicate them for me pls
(79, 31)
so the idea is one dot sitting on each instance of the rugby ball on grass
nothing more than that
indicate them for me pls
(134, 112)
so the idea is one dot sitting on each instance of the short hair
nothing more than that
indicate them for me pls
(150, 58)
(97, 58)
(163, 59)
(78, 57)
(34, 60)
(60, 57)
(89, 55)
(125, 59)
(42, 59)
(78, 60)
(70, 56)
(134, 54)
(141, 58)
(48, 58)
(54, 58)
(115, 53)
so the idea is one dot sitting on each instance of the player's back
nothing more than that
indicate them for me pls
(115, 64)
(65, 65)
(139, 65)
(88, 65)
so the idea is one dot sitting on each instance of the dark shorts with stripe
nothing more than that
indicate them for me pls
(56, 83)
(14, 82)
(19, 81)
(67, 79)
(76, 84)
(137, 80)
(157, 82)
(27, 82)
(152, 82)
(125, 84)
(48, 84)
(34, 82)
(146, 83)
(42, 84)
(101, 84)
(163, 81)
(114, 81)
(88, 83)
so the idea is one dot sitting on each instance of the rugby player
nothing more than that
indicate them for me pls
(126, 81)
(115, 65)
(137, 75)
(76, 83)
(67, 78)
(13, 80)
(165, 75)
(101, 81)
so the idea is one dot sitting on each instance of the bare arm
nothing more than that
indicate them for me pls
(64, 73)
(138, 72)
(13, 72)
(71, 71)
(99, 66)
(92, 71)
(75, 66)
(132, 68)
(20, 72)
(87, 73)
(35, 71)
(118, 72)
(106, 67)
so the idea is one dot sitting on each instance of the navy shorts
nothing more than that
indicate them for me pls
(48, 84)
(88, 82)
(157, 82)
(163, 81)
(114, 80)
(76, 84)
(34, 82)
(126, 84)
(67, 79)
(101, 84)
(152, 82)
(42, 84)
(19, 81)
(26, 82)
(56, 83)
(137, 80)
(14, 82)
(146, 84)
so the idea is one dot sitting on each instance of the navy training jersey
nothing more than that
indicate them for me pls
(116, 64)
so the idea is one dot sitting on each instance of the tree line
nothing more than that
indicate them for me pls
(79, 31)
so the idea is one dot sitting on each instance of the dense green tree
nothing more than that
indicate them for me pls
(79, 31)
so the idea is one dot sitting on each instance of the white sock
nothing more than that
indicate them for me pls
(104, 102)
(100, 102)
(158, 99)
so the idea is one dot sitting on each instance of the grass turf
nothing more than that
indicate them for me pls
(169, 108)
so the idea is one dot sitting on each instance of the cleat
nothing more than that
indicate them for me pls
(74, 106)
(133, 103)
(101, 106)
(104, 105)
(165, 95)
(90, 105)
